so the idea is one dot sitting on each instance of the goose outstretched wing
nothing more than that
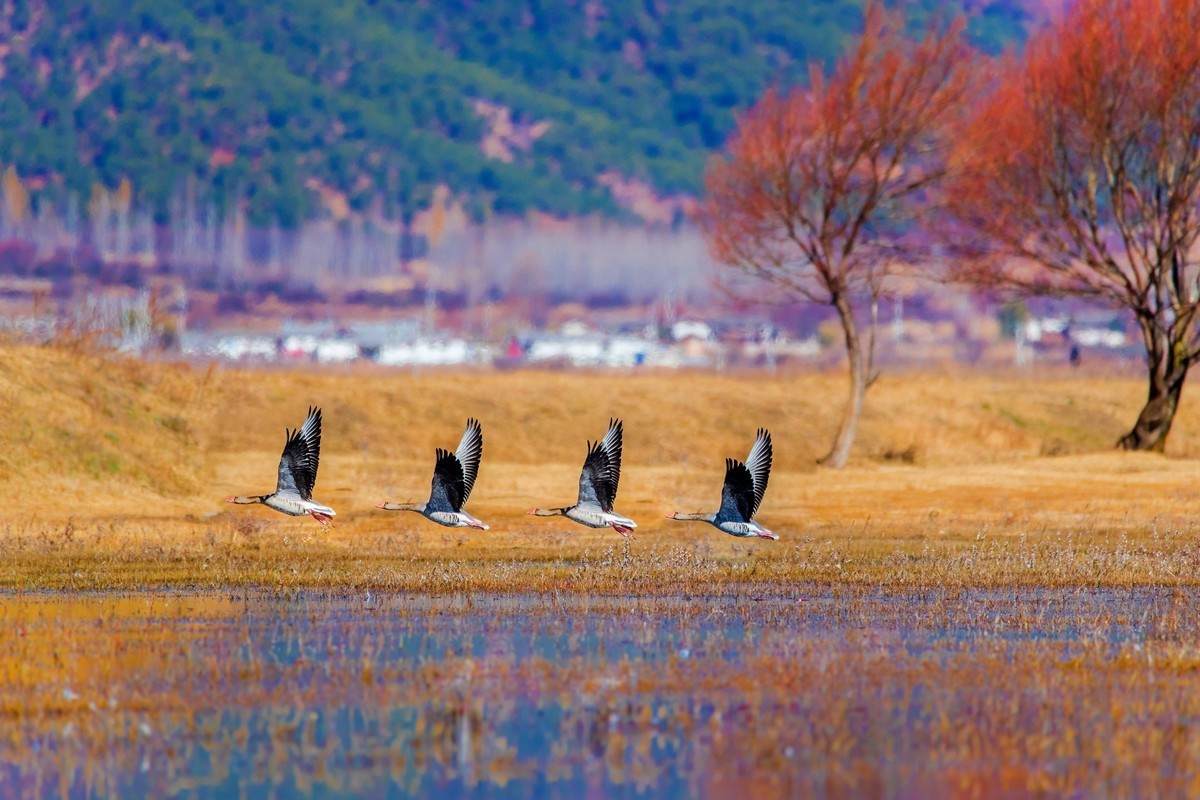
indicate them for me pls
(759, 465)
(737, 495)
(745, 484)
(469, 453)
(301, 454)
(446, 494)
(602, 469)
(454, 473)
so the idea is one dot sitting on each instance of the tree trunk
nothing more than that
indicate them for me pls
(1168, 366)
(857, 358)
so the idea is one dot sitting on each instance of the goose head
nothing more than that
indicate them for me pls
(399, 506)
(547, 512)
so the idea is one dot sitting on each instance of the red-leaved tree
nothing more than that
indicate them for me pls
(816, 184)
(1081, 177)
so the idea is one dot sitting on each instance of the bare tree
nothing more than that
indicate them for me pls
(816, 182)
(1083, 179)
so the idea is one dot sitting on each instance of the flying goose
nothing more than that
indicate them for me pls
(598, 486)
(453, 476)
(297, 474)
(745, 485)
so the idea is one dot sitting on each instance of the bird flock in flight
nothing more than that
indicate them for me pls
(454, 476)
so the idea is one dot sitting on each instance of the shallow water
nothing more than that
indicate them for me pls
(811, 692)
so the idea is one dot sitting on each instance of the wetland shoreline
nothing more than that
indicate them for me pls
(319, 693)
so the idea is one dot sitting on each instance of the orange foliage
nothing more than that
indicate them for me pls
(1082, 173)
(1086, 156)
(816, 181)
(810, 172)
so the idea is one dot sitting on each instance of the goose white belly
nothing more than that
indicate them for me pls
(296, 507)
(744, 529)
(455, 519)
(595, 518)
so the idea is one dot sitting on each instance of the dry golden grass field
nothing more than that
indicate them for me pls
(115, 471)
(988, 602)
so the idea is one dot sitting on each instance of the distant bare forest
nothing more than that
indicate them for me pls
(441, 251)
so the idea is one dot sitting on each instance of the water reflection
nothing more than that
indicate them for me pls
(819, 692)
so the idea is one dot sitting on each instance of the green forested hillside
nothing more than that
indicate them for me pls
(256, 99)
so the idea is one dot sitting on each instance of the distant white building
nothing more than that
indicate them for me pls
(691, 329)
(575, 327)
(629, 351)
(1098, 337)
(336, 351)
(300, 345)
(580, 351)
(237, 347)
(426, 352)
(1094, 330)
(1037, 327)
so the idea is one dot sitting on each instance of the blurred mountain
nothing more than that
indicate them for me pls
(297, 107)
